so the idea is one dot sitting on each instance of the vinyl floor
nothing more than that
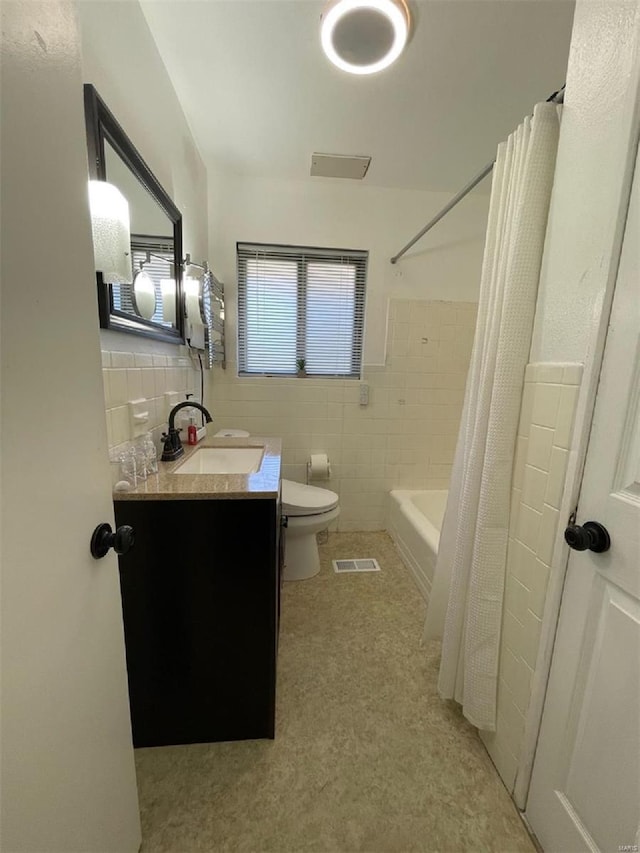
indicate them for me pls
(366, 756)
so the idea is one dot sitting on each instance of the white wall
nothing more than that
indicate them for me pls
(595, 158)
(120, 58)
(406, 436)
(544, 436)
(348, 214)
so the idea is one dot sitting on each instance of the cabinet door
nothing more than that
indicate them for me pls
(199, 594)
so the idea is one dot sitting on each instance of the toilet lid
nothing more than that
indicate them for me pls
(298, 499)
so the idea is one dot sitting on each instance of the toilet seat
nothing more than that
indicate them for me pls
(300, 500)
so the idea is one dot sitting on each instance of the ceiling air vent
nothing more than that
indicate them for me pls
(339, 166)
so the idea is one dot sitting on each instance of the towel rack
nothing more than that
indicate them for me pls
(215, 330)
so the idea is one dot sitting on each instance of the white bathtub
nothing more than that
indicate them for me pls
(414, 523)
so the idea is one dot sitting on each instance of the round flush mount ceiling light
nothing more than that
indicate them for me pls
(364, 36)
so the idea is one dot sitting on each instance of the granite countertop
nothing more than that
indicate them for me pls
(166, 485)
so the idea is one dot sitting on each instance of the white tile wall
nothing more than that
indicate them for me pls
(131, 376)
(404, 438)
(544, 435)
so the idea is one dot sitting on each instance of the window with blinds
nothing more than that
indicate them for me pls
(300, 303)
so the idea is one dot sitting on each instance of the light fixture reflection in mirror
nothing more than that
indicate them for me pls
(111, 232)
(144, 295)
(168, 290)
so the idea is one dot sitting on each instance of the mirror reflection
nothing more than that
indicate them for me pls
(147, 303)
(151, 247)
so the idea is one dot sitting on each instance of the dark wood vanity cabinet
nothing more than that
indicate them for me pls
(200, 599)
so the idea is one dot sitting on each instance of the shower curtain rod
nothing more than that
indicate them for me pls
(556, 97)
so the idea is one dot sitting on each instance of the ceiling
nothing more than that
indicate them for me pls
(260, 96)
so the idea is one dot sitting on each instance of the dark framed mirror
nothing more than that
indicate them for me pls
(151, 304)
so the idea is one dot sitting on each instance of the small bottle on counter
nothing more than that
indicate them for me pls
(192, 432)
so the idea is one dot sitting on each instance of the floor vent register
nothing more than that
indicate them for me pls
(366, 564)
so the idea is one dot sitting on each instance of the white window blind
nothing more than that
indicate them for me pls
(300, 303)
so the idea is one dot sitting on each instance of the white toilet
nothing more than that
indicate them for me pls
(309, 510)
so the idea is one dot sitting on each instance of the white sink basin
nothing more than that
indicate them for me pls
(223, 460)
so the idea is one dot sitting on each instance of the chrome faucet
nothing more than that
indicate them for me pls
(173, 448)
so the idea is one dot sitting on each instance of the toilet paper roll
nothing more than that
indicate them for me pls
(319, 467)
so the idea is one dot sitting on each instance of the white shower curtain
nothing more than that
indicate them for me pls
(470, 570)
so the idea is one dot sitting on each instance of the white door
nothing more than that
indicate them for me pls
(585, 788)
(68, 776)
